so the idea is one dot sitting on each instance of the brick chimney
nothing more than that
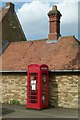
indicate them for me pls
(54, 24)
(11, 5)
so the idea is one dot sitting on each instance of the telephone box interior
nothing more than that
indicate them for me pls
(37, 92)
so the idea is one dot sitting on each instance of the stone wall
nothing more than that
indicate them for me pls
(14, 87)
(0, 87)
(63, 88)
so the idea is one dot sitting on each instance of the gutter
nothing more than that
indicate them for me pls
(64, 70)
(10, 71)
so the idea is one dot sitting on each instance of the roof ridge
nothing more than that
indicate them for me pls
(71, 36)
(68, 36)
(44, 39)
(29, 41)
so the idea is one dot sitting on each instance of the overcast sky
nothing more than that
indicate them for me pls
(34, 20)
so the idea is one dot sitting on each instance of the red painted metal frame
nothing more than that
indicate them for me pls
(39, 69)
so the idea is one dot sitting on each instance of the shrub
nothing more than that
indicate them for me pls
(13, 101)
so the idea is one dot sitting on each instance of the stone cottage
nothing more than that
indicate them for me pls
(10, 29)
(60, 53)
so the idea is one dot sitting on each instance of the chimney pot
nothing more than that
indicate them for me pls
(8, 4)
(11, 5)
(54, 8)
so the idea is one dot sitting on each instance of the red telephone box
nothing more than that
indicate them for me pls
(37, 92)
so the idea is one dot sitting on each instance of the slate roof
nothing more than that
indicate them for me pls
(3, 12)
(61, 55)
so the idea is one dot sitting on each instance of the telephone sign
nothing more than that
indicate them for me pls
(37, 92)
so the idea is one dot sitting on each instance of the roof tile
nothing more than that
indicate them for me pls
(62, 55)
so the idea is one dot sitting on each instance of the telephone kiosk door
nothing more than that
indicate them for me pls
(32, 90)
(44, 87)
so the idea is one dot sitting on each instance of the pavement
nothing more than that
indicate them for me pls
(18, 111)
